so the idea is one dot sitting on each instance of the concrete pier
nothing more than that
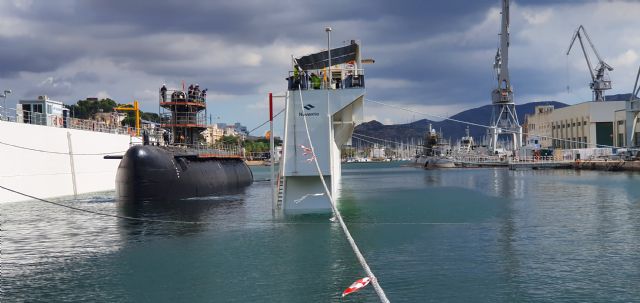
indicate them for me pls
(610, 165)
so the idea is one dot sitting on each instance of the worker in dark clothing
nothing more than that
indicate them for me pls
(190, 93)
(204, 94)
(165, 137)
(145, 137)
(196, 93)
(163, 93)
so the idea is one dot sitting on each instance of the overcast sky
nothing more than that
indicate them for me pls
(431, 56)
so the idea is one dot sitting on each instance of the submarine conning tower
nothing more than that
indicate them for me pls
(327, 89)
(183, 114)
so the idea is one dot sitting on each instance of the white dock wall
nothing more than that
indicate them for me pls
(47, 175)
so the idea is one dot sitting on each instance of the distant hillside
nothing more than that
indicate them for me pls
(618, 97)
(451, 129)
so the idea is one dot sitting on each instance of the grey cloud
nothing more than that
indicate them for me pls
(52, 87)
(129, 33)
(18, 54)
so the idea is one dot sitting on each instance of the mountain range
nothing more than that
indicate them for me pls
(451, 129)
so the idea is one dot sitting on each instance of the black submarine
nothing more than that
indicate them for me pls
(180, 166)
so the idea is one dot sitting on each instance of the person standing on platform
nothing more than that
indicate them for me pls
(163, 92)
(196, 93)
(190, 93)
(204, 94)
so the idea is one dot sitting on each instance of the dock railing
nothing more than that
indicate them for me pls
(536, 159)
(155, 135)
(478, 159)
(52, 120)
(343, 78)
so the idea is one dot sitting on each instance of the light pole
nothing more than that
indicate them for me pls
(328, 30)
(4, 103)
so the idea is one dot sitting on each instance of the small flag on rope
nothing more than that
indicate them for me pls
(308, 151)
(356, 286)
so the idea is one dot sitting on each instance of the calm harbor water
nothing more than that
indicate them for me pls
(472, 235)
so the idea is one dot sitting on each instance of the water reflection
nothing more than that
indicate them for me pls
(181, 217)
(37, 236)
(501, 181)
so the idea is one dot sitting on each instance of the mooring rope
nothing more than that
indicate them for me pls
(265, 122)
(338, 216)
(59, 153)
(384, 140)
(100, 213)
(211, 222)
(357, 137)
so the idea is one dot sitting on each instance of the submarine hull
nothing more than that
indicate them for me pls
(155, 173)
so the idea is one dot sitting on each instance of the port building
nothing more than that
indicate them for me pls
(620, 136)
(583, 125)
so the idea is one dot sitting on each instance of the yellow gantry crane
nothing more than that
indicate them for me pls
(137, 110)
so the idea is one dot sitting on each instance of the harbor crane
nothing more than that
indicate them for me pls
(601, 81)
(504, 116)
(632, 111)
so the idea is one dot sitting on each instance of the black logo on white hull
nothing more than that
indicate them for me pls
(309, 107)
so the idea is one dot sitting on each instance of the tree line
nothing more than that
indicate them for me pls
(86, 109)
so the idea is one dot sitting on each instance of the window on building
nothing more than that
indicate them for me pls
(620, 122)
(49, 109)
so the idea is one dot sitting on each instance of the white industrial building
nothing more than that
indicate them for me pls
(584, 125)
(620, 137)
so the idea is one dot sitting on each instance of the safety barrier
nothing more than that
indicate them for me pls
(315, 79)
(43, 119)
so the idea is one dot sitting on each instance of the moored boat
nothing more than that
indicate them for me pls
(435, 152)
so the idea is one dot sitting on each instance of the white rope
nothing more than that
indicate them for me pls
(338, 216)
(59, 153)
(486, 126)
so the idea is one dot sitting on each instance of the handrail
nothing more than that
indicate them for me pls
(51, 120)
(316, 79)
(190, 97)
(155, 134)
